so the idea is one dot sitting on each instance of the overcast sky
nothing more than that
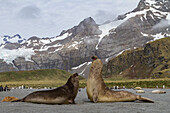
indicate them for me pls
(47, 18)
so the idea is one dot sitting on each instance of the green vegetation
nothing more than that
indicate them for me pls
(35, 75)
(144, 83)
(56, 78)
(152, 61)
(36, 78)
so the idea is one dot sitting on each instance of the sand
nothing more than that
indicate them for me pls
(83, 105)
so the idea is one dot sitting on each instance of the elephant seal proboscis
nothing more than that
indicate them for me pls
(61, 95)
(97, 91)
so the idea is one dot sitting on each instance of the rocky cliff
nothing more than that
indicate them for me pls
(152, 61)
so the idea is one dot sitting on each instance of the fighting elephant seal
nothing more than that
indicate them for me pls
(61, 95)
(97, 91)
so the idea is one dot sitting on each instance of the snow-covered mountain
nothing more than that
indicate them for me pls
(73, 48)
(143, 24)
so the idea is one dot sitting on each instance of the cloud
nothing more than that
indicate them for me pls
(162, 24)
(113, 9)
(47, 18)
(29, 12)
(91, 40)
(103, 16)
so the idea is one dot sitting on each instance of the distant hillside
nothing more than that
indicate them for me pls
(152, 61)
(36, 75)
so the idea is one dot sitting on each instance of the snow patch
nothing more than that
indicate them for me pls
(106, 28)
(107, 59)
(59, 49)
(45, 41)
(82, 72)
(45, 48)
(81, 65)
(141, 18)
(82, 68)
(152, 17)
(62, 37)
(150, 2)
(158, 36)
(75, 44)
(9, 55)
(156, 12)
(144, 34)
(122, 51)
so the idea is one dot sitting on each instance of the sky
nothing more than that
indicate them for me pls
(47, 18)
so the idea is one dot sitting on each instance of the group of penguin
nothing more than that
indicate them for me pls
(4, 88)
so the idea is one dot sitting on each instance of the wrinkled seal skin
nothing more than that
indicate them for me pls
(97, 91)
(61, 95)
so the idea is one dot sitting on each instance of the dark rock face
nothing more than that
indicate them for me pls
(4, 67)
(75, 46)
(11, 46)
(21, 64)
(87, 27)
(162, 5)
(152, 61)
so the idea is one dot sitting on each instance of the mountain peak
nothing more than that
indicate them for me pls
(87, 27)
(162, 5)
(88, 21)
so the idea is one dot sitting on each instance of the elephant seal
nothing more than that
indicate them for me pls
(158, 92)
(97, 91)
(137, 88)
(61, 95)
(140, 91)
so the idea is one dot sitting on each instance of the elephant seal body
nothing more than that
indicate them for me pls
(158, 92)
(61, 95)
(97, 91)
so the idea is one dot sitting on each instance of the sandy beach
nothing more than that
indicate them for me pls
(83, 105)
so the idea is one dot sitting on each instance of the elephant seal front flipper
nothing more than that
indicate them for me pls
(61, 95)
(144, 99)
(95, 95)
